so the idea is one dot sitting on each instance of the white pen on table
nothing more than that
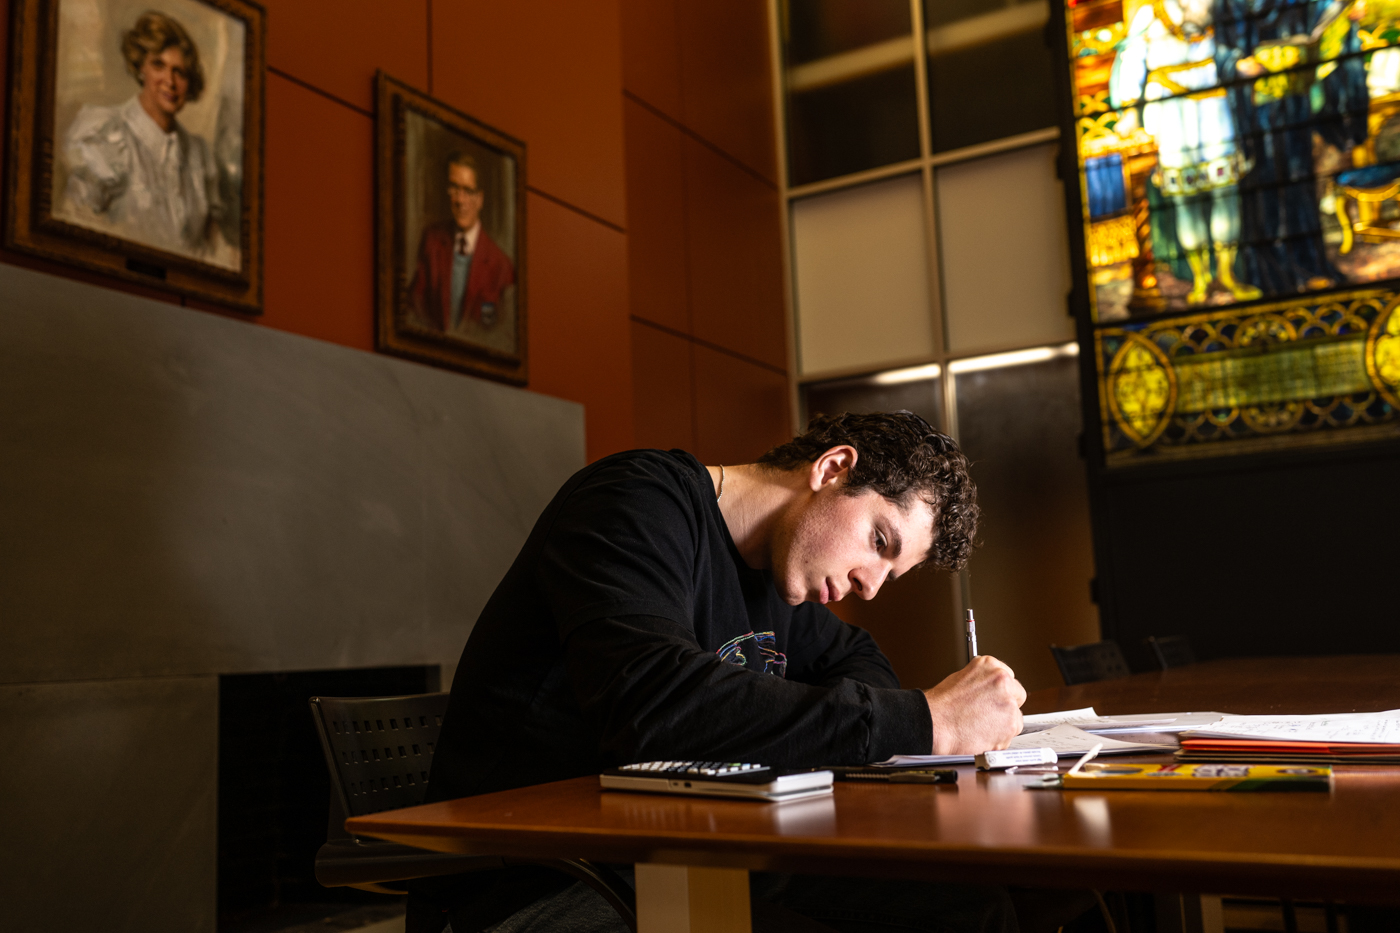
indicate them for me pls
(971, 637)
(1088, 756)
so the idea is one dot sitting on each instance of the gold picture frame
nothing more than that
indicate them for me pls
(450, 232)
(136, 142)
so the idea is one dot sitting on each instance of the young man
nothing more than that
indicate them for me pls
(662, 609)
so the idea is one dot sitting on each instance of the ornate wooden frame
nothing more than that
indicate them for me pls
(30, 225)
(394, 332)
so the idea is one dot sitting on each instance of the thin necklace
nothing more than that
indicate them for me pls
(720, 494)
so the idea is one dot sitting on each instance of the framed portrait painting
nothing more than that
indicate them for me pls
(135, 145)
(451, 237)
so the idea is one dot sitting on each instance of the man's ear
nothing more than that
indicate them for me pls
(833, 467)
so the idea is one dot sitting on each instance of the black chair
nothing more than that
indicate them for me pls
(379, 752)
(1083, 664)
(1172, 650)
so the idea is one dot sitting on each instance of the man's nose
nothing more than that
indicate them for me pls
(865, 583)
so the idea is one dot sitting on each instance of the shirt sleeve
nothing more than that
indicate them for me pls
(653, 693)
(98, 150)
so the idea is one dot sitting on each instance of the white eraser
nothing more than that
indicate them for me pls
(1016, 758)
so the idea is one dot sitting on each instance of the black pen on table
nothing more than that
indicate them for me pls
(971, 637)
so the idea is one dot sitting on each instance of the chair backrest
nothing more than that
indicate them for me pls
(1082, 664)
(378, 749)
(1172, 650)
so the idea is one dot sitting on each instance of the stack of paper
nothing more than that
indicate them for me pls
(1067, 741)
(1350, 738)
(1090, 721)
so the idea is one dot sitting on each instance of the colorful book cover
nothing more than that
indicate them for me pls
(1284, 747)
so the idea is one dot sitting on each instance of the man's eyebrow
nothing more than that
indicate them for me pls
(896, 542)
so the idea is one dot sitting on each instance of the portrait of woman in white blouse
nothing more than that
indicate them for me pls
(134, 168)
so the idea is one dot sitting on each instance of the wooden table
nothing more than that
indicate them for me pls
(1339, 684)
(987, 828)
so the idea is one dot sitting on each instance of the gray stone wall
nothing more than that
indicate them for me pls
(109, 822)
(184, 495)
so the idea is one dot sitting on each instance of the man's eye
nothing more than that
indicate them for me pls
(879, 541)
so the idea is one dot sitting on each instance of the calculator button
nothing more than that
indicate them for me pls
(709, 768)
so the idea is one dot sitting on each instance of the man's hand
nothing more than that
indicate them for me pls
(976, 709)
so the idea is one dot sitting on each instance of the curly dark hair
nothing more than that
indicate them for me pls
(900, 455)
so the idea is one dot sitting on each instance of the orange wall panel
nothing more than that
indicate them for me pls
(740, 409)
(319, 228)
(662, 393)
(727, 79)
(651, 48)
(336, 45)
(735, 248)
(5, 62)
(580, 335)
(656, 218)
(914, 621)
(547, 73)
(697, 75)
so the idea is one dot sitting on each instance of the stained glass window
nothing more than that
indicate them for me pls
(1240, 180)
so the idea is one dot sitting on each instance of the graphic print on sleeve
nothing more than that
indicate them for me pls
(766, 646)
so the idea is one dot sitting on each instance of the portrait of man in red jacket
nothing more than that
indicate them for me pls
(464, 282)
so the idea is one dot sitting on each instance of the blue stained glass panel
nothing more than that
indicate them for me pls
(1104, 177)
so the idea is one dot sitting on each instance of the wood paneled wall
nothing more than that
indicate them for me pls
(650, 134)
(709, 364)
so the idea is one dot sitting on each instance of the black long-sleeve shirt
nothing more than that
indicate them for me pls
(630, 629)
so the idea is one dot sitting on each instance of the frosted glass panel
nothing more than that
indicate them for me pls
(924, 397)
(990, 72)
(852, 99)
(1001, 223)
(861, 263)
(1029, 578)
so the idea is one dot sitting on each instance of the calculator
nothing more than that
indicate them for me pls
(718, 779)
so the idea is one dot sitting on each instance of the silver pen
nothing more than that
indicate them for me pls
(971, 637)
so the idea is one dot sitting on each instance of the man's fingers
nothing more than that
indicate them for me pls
(977, 708)
(991, 662)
